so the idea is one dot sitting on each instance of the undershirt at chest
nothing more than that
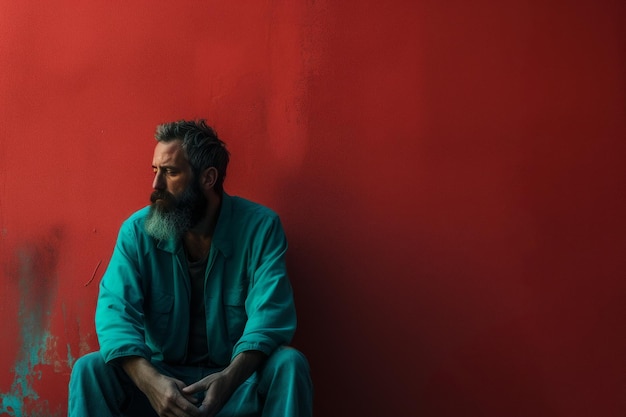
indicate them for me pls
(197, 348)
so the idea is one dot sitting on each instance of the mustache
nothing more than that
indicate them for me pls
(161, 195)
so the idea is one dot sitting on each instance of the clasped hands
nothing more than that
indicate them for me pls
(170, 397)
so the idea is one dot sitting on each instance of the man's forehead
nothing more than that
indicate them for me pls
(169, 152)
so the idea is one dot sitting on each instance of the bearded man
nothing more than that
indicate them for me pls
(195, 310)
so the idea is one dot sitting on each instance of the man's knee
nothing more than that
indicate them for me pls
(287, 359)
(285, 383)
(91, 363)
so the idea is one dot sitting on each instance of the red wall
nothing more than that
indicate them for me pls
(450, 174)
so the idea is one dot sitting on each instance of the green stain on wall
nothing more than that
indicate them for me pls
(37, 285)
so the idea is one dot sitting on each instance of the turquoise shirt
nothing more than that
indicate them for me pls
(143, 305)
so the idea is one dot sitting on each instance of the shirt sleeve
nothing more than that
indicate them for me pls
(119, 311)
(269, 304)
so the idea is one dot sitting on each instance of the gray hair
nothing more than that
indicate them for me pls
(201, 145)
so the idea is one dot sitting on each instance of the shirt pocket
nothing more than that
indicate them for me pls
(235, 311)
(158, 315)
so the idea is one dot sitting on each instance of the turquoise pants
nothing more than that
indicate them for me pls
(281, 387)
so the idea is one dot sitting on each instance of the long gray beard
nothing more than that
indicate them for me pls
(168, 225)
(163, 224)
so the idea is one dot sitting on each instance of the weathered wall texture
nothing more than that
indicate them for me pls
(450, 174)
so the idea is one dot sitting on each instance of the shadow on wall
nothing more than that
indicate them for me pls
(344, 311)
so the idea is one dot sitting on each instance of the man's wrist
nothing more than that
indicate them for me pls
(244, 365)
(139, 370)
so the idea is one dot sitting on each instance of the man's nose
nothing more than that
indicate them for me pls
(158, 183)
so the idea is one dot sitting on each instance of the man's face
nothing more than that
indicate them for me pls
(177, 200)
(172, 173)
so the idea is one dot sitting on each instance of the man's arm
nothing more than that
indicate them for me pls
(244, 365)
(119, 310)
(269, 304)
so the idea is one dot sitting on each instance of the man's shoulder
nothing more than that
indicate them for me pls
(138, 215)
(136, 220)
(248, 208)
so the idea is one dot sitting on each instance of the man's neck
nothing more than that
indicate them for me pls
(197, 240)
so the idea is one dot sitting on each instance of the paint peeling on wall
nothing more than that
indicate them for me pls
(37, 279)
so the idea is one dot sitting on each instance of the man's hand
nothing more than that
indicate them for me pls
(221, 385)
(164, 393)
(218, 387)
(166, 397)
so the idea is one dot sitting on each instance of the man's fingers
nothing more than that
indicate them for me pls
(191, 398)
(193, 388)
(207, 410)
(187, 405)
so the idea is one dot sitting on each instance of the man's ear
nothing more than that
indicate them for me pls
(208, 178)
